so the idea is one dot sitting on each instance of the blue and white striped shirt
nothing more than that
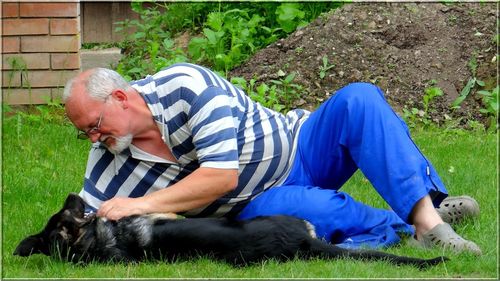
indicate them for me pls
(206, 122)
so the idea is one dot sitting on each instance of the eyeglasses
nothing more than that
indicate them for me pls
(83, 135)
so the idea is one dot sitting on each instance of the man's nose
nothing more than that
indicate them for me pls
(95, 137)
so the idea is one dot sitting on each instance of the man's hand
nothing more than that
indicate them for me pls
(119, 207)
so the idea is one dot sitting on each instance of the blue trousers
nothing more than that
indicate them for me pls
(354, 129)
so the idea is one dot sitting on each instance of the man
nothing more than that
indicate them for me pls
(187, 141)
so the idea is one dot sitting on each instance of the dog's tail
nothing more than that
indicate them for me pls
(322, 249)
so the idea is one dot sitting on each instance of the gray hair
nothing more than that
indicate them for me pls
(98, 84)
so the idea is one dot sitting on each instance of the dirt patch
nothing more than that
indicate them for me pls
(403, 48)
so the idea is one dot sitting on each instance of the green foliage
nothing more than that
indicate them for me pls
(279, 96)
(473, 81)
(325, 67)
(488, 98)
(415, 116)
(264, 94)
(183, 16)
(430, 94)
(51, 112)
(150, 48)
(227, 33)
(291, 16)
(490, 101)
(229, 38)
(18, 65)
(289, 91)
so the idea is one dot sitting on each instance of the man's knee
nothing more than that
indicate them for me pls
(361, 95)
(360, 91)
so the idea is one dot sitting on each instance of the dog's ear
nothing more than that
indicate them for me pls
(33, 244)
(75, 204)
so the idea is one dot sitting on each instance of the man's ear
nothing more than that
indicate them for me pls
(75, 204)
(29, 246)
(120, 96)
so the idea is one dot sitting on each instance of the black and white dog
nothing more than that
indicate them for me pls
(71, 236)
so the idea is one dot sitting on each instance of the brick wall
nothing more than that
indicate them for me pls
(40, 50)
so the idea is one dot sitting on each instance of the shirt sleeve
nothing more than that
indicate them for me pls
(213, 129)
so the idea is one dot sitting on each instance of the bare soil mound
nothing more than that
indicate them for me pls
(403, 48)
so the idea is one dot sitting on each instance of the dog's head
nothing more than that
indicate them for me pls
(62, 230)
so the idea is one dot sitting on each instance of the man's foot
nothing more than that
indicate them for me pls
(454, 209)
(443, 236)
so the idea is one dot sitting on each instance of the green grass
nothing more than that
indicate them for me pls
(43, 161)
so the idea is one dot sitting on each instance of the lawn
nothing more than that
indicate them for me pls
(43, 161)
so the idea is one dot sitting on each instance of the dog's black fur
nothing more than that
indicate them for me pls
(71, 236)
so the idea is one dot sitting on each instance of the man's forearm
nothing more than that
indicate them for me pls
(198, 189)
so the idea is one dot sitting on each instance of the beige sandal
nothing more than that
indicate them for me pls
(443, 236)
(454, 209)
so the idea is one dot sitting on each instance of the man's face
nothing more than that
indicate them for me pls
(101, 121)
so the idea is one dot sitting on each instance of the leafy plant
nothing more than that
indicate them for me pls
(473, 81)
(279, 96)
(325, 67)
(267, 96)
(290, 16)
(288, 91)
(430, 94)
(227, 33)
(229, 38)
(416, 116)
(52, 112)
(182, 16)
(413, 116)
(18, 65)
(490, 101)
(466, 91)
(151, 47)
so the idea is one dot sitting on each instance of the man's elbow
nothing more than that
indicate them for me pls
(231, 180)
(222, 180)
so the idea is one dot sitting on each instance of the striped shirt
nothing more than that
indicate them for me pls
(206, 122)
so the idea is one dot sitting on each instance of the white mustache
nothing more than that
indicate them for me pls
(121, 142)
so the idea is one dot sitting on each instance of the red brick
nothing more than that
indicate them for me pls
(65, 61)
(25, 26)
(53, 44)
(26, 96)
(10, 45)
(11, 79)
(64, 26)
(47, 78)
(10, 10)
(31, 61)
(45, 9)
